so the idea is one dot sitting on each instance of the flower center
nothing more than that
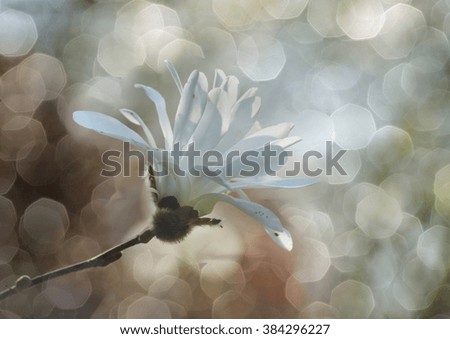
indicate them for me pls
(172, 222)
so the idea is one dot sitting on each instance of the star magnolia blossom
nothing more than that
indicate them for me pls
(215, 120)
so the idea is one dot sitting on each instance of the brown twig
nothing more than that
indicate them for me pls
(101, 260)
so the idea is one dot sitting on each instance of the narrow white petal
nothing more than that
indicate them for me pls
(267, 218)
(255, 128)
(271, 181)
(242, 120)
(260, 138)
(219, 78)
(251, 92)
(164, 121)
(191, 107)
(109, 126)
(286, 142)
(250, 144)
(232, 87)
(257, 142)
(133, 117)
(219, 179)
(208, 130)
(175, 76)
(130, 115)
(184, 106)
(278, 131)
(205, 185)
(258, 145)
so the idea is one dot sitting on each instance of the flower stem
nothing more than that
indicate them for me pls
(101, 260)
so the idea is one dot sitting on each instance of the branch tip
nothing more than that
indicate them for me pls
(101, 260)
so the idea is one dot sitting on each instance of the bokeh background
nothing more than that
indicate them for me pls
(372, 75)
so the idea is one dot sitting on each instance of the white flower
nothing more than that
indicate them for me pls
(217, 119)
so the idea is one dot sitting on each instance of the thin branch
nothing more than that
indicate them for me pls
(101, 260)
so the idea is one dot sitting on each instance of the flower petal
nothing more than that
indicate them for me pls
(232, 88)
(242, 117)
(286, 142)
(278, 131)
(191, 107)
(271, 181)
(164, 121)
(267, 218)
(208, 129)
(175, 76)
(133, 117)
(109, 126)
(219, 78)
(251, 92)
(167, 182)
(236, 167)
(260, 138)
